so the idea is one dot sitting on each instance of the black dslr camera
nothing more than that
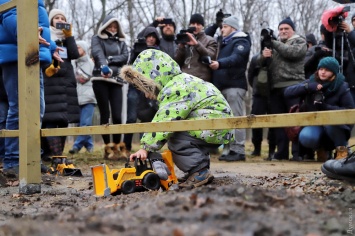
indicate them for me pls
(140, 45)
(182, 37)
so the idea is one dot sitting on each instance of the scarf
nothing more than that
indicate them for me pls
(225, 40)
(56, 34)
(329, 86)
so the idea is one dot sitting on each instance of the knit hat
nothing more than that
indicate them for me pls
(289, 22)
(231, 21)
(197, 18)
(84, 45)
(55, 12)
(310, 38)
(329, 63)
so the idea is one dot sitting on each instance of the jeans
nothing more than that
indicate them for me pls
(86, 114)
(327, 137)
(10, 78)
(4, 106)
(132, 104)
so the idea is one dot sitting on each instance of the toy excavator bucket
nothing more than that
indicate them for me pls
(172, 179)
(63, 166)
(103, 180)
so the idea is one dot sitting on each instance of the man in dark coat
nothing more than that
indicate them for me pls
(229, 77)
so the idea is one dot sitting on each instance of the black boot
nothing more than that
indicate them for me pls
(343, 169)
(257, 150)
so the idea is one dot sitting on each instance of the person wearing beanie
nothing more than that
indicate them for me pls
(167, 30)
(10, 78)
(61, 97)
(110, 52)
(324, 91)
(83, 68)
(230, 78)
(189, 55)
(285, 64)
(311, 40)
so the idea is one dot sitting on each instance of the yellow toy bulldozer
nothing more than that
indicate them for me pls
(131, 179)
(61, 165)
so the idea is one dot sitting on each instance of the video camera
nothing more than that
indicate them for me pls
(337, 20)
(182, 37)
(266, 36)
(220, 16)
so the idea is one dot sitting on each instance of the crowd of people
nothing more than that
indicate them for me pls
(203, 75)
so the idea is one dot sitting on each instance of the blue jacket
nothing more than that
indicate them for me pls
(233, 58)
(8, 34)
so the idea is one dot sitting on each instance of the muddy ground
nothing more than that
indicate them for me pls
(255, 197)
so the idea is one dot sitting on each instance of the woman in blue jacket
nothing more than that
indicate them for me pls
(9, 65)
(325, 90)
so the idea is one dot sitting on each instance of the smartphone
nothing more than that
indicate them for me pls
(167, 21)
(62, 26)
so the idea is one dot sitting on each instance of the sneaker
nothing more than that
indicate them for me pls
(222, 157)
(198, 179)
(183, 178)
(73, 151)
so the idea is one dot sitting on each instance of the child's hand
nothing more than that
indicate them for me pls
(319, 87)
(142, 154)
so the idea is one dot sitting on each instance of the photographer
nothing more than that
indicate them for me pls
(286, 68)
(325, 90)
(229, 77)
(189, 55)
(212, 29)
(167, 29)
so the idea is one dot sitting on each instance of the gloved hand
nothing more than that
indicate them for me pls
(52, 69)
(67, 32)
(219, 18)
(161, 169)
(312, 87)
(106, 71)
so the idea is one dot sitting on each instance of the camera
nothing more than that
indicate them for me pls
(167, 21)
(318, 97)
(266, 37)
(337, 20)
(220, 16)
(206, 60)
(62, 26)
(182, 37)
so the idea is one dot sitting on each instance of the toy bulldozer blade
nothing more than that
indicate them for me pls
(61, 165)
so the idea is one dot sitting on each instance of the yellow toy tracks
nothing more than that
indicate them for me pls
(131, 179)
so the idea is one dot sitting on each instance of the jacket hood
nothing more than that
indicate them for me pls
(151, 71)
(104, 34)
(241, 34)
(150, 30)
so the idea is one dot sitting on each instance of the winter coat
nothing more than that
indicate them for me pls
(233, 59)
(139, 47)
(180, 96)
(167, 43)
(60, 93)
(83, 68)
(108, 49)
(8, 34)
(287, 64)
(313, 56)
(189, 57)
(350, 70)
(253, 72)
(339, 99)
